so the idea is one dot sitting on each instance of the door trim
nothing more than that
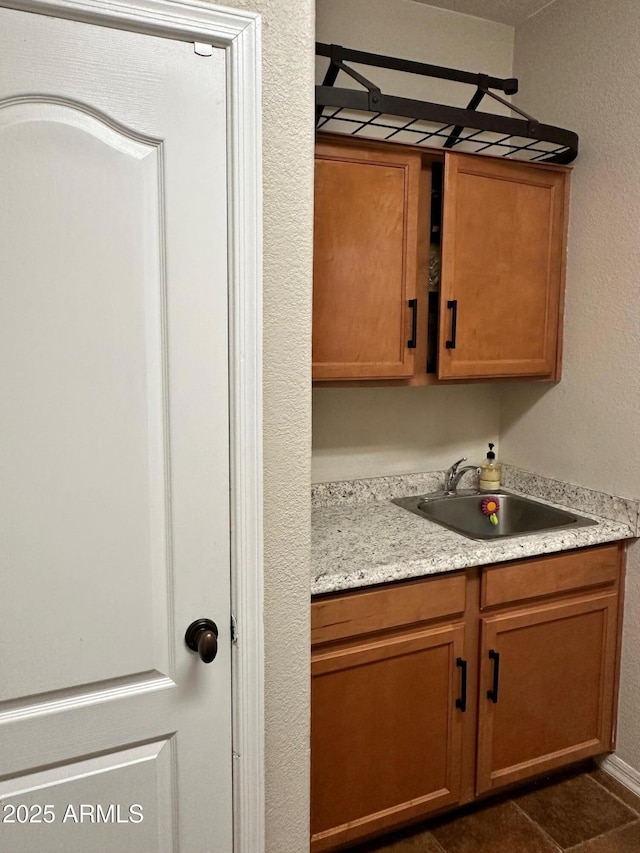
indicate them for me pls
(239, 33)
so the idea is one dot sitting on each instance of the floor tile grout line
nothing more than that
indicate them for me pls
(537, 826)
(634, 819)
(613, 794)
(444, 849)
(602, 835)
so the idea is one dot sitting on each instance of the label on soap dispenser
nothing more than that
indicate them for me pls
(489, 478)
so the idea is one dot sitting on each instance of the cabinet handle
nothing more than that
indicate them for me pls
(453, 305)
(462, 701)
(493, 693)
(413, 304)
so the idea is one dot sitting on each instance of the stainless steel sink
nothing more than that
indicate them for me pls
(517, 516)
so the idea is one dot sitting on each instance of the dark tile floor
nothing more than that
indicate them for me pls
(586, 811)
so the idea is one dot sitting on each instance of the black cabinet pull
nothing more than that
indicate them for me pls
(462, 701)
(493, 693)
(412, 343)
(453, 305)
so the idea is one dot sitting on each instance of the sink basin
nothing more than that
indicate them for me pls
(517, 516)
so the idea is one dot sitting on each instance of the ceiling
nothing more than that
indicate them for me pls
(506, 11)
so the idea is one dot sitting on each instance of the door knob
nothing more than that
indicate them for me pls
(202, 637)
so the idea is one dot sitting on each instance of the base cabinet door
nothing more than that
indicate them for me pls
(547, 681)
(386, 728)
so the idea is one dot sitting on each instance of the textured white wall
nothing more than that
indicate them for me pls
(288, 108)
(420, 32)
(578, 63)
(360, 432)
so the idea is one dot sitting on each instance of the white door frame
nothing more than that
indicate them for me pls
(239, 34)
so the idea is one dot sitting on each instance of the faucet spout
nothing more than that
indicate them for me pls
(455, 474)
(459, 475)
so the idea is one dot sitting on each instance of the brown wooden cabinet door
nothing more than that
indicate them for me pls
(365, 256)
(555, 680)
(385, 732)
(503, 253)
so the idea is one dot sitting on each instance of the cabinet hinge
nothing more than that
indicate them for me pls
(234, 629)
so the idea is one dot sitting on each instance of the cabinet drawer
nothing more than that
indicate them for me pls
(560, 573)
(357, 613)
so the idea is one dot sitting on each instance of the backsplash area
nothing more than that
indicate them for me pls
(346, 492)
(367, 432)
(623, 510)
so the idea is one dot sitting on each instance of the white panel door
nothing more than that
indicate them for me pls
(114, 444)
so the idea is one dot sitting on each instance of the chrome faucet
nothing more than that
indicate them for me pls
(455, 474)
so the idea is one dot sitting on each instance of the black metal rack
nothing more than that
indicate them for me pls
(372, 114)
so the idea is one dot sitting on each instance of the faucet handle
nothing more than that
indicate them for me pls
(451, 473)
(455, 465)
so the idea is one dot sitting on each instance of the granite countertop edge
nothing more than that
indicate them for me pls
(373, 541)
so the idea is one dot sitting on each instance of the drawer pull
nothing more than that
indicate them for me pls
(493, 693)
(462, 701)
(413, 342)
(453, 305)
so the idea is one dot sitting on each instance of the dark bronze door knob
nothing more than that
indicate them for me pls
(202, 637)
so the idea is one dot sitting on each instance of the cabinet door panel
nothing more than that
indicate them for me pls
(366, 210)
(555, 688)
(385, 733)
(503, 264)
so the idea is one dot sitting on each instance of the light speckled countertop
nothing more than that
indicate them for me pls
(360, 538)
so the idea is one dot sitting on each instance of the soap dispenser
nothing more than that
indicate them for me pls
(490, 472)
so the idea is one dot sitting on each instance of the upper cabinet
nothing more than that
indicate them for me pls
(503, 249)
(365, 290)
(435, 267)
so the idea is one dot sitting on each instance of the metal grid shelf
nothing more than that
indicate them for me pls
(374, 115)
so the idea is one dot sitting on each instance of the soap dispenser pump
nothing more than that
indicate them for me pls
(490, 471)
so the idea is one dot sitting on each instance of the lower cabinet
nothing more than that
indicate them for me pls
(405, 722)
(379, 706)
(389, 692)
